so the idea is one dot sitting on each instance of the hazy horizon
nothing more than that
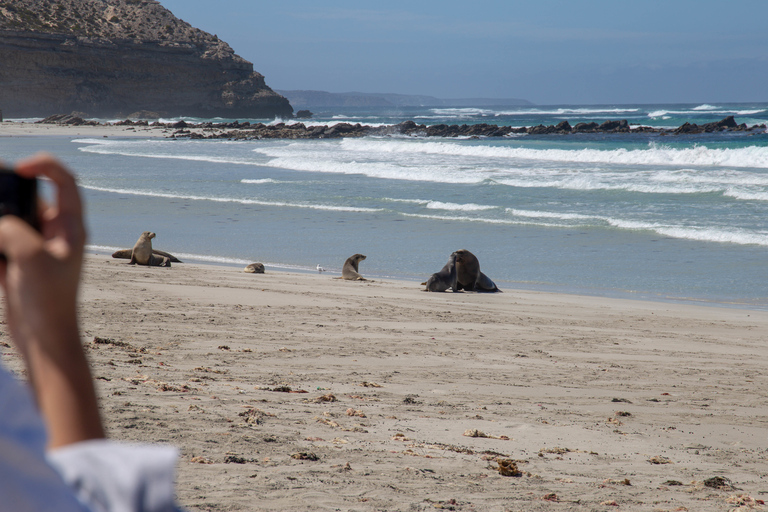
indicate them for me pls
(553, 53)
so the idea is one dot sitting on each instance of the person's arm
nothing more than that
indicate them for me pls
(40, 278)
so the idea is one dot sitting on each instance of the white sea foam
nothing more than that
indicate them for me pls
(461, 112)
(162, 149)
(469, 207)
(711, 110)
(703, 234)
(752, 156)
(148, 193)
(549, 215)
(440, 205)
(746, 195)
(261, 181)
(705, 107)
(564, 111)
(476, 219)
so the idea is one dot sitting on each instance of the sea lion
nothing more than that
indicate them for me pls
(468, 275)
(142, 252)
(254, 268)
(126, 254)
(349, 271)
(445, 278)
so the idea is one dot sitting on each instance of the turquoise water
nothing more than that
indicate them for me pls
(640, 215)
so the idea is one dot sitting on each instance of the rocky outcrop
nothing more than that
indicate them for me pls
(247, 131)
(729, 123)
(109, 58)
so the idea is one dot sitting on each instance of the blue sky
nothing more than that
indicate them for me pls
(545, 51)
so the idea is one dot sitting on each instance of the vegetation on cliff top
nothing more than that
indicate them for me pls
(135, 20)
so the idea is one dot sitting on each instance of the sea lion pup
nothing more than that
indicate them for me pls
(126, 254)
(142, 252)
(468, 275)
(254, 268)
(445, 278)
(349, 271)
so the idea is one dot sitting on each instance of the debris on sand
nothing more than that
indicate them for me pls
(556, 450)
(305, 456)
(720, 482)
(507, 467)
(659, 459)
(473, 432)
(254, 416)
(611, 481)
(745, 502)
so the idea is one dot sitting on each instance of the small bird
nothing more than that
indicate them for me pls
(320, 269)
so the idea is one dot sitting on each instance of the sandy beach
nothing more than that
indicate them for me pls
(289, 391)
(27, 129)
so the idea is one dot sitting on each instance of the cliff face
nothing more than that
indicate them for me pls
(109, 58)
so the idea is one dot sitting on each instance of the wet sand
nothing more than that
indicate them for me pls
(289, 391)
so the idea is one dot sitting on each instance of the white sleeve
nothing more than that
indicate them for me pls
(118, 477)
(27, 482)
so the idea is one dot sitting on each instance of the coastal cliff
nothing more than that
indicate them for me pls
(110, 58)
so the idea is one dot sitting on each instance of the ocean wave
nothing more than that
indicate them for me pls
(440, 205)
(751, 156)
(534, 214)
(702, 234)
(147, 193)
(696, 111)
(461, 111)
(746, 195)
(261, 181)
(161, 149)
(469, 207)
(476, 219)
(727, 235)
(568, 111)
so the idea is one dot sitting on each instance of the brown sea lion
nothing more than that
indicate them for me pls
(254, 268)
(350, 269)
(142, 252)
(468, 274)
(445, 278)
(126, 254)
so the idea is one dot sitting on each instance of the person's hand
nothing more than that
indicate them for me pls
(40, 278)
(42, 270)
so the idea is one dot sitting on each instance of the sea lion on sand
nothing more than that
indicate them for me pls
(142, 252)
(254, 268)
(349, 271)
(445, 278)
(468, 275)
(126, 254)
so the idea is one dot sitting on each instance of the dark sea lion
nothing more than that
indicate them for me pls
(142, 252)
(445, 278)
(468, 275)
(126, 254)
(349, 271)
(254, 268)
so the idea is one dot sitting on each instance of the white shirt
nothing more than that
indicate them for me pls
(92, 476)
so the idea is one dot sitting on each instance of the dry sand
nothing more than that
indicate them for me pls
(303, 392)
(27, 129)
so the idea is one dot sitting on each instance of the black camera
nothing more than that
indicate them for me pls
(18, 196)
